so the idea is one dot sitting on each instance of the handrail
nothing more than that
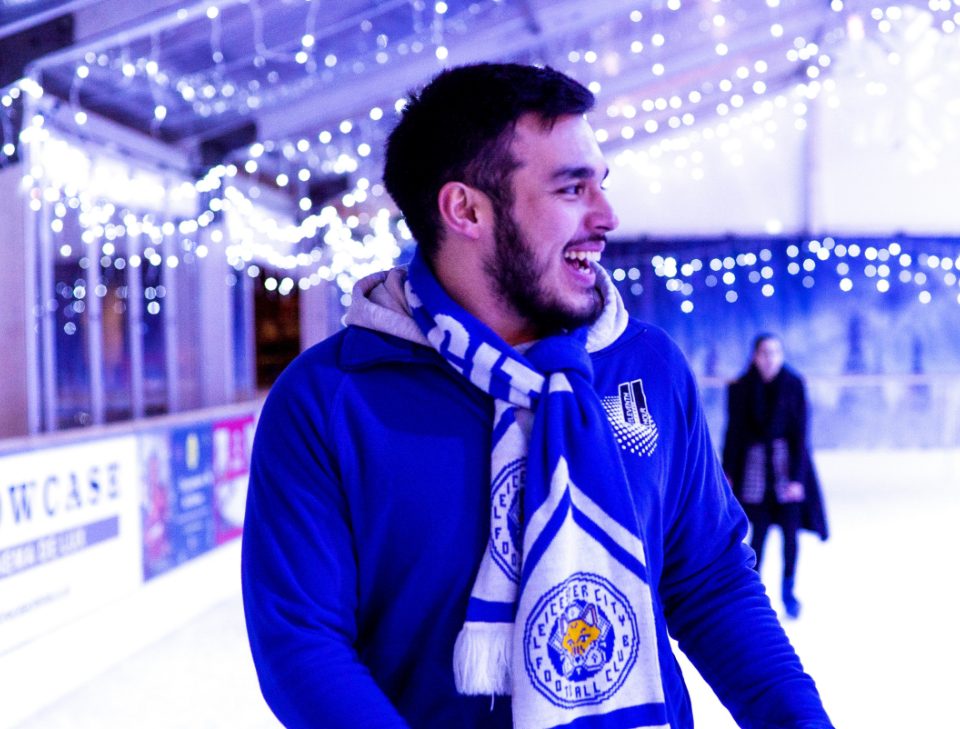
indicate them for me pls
(852, 380)
(78, 435)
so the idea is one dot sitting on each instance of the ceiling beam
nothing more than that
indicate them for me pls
(42, 16)
(507, 38)
(695, 61)
(131, 32)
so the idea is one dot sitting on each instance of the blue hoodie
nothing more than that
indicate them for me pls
(368, 514)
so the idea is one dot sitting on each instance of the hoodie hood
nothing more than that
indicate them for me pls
(379, 303)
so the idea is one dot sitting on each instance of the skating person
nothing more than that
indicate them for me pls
(766, 458)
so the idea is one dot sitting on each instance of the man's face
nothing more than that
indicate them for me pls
(768, 358)
(547, 245)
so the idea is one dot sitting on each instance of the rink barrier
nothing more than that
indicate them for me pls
(865, 411)
(110, 538)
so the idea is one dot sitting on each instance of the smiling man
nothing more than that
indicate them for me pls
(492, 498)
(535, 242)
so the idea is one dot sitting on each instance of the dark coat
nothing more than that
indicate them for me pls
(750, 421)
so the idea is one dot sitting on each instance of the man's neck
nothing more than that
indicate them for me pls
(463, 277)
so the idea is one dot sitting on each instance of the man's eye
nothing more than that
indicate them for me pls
(572, 189)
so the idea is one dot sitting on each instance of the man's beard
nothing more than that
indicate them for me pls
(518, 281)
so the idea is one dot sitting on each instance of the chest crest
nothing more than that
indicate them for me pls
(633, 425)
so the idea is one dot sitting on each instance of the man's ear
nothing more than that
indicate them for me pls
(464, 209)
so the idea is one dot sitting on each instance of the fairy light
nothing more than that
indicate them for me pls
(698, 278)
(258, 233)
(662, 135)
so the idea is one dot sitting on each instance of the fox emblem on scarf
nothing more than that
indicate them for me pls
(581, 633)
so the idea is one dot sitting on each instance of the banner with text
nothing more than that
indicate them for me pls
(177, 496)
(69, 534)
(232, 443)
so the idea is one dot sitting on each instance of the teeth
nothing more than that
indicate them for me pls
(593, 256)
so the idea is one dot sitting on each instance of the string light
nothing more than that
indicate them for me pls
(651, 133)
(97, 190)
(705, 274)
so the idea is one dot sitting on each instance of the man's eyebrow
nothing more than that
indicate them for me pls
(583, 172)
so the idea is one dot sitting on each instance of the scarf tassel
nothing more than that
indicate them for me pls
(481, 659)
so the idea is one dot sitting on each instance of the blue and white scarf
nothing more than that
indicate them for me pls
(561, 613)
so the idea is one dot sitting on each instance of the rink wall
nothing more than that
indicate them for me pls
(864, 319)
(132, 533)
(102, 533)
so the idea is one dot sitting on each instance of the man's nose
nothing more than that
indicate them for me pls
(603, 216)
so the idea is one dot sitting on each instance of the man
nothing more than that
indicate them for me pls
(487, 500)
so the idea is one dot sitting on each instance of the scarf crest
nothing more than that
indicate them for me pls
(561, 612)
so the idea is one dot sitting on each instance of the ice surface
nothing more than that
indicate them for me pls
(878, 629)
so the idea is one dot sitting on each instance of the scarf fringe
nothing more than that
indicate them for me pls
(481, 659)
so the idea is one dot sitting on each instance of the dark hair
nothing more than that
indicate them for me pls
(761, 338)
(460, 126)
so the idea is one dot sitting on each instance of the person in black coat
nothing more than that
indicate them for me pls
(766, 459)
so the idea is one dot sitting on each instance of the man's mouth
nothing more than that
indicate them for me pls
(581, 260)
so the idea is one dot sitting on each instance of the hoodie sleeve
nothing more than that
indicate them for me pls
(299, 574)
(715, 604)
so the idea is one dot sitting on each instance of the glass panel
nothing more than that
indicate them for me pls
(70, 343)
(242, 365)
(154, 344)
(117, 384)
(187, 309)
(277, 315)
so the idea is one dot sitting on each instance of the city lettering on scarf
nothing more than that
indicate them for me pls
(506, 518)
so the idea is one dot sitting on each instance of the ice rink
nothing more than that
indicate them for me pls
(878, 629)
